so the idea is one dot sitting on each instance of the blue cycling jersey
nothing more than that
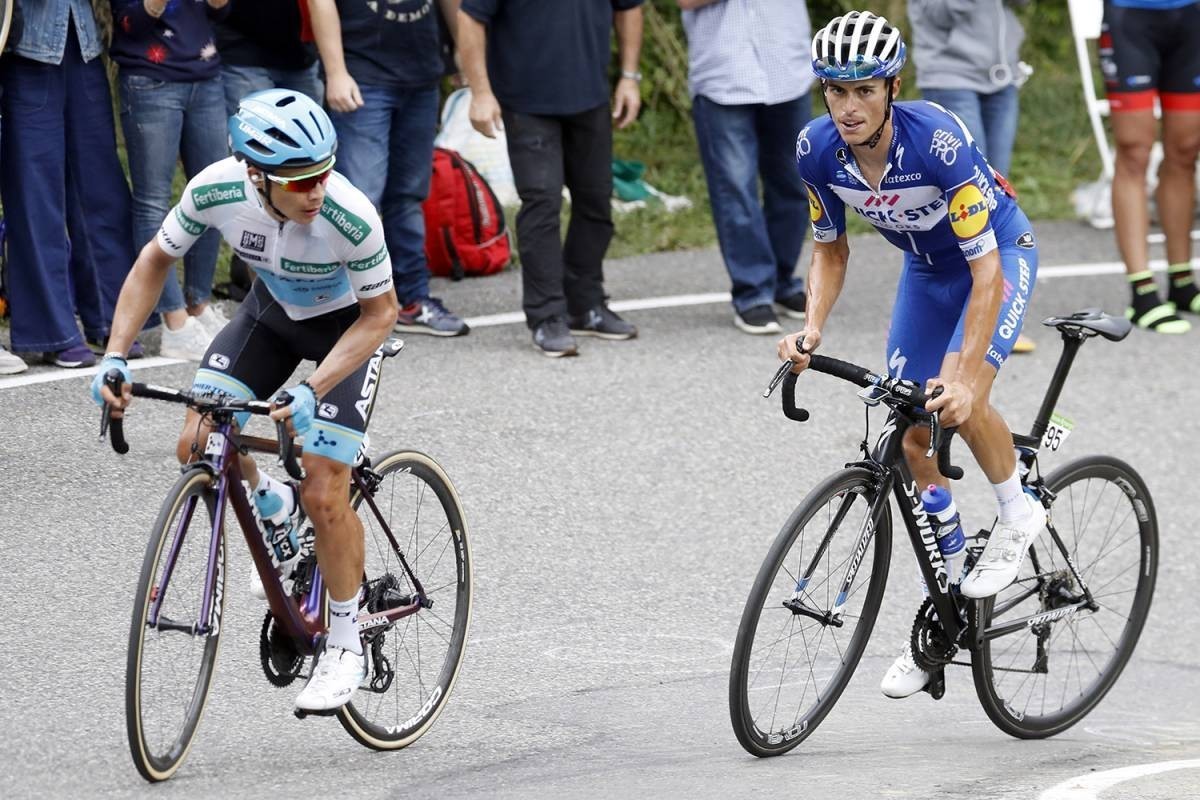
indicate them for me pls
(938, 196)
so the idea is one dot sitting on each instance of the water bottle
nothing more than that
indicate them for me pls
(282, 539)
(950, 540)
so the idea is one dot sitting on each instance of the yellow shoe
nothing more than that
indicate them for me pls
(1024, 345)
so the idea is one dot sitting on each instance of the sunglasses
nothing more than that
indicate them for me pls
(306, 182)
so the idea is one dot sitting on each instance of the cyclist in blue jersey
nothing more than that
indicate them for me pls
(912, 170)
(323, 293)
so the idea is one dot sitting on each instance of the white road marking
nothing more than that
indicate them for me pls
(642, 304)
(1089, 787)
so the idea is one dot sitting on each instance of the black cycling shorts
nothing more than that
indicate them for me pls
(1151, 52)
(261, 347)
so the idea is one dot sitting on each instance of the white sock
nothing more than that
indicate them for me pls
(343, 625)
(1011, 498)
(268, 484)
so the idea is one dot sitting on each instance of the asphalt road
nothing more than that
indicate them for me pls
(619, 505)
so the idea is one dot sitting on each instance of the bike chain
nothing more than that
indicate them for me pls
(930, 648)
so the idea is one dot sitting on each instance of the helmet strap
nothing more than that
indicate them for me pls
(887, 113)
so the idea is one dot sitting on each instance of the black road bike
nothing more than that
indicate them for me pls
(1043, 652)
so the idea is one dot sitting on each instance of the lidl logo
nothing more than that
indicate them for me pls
(968, 212)
(815, 211)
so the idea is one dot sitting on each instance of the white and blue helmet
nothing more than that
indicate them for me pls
(857, 46)
(277, 128)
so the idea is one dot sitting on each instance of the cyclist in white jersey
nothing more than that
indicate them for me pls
(324, 293)
(913, 171)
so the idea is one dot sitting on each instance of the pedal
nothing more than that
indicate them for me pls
(301, 713)
(937, 684)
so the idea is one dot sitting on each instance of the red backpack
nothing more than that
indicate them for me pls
(465, 232)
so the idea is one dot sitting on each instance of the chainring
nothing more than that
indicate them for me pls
(281, 663)
(930, 648)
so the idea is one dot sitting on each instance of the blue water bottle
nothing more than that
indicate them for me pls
(946, 527)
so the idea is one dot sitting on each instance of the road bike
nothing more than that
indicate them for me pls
(1043, 652)
(415, 604)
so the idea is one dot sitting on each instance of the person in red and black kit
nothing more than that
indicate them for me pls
(1150, 49)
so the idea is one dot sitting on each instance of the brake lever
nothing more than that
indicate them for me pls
(935, 434)
(780, 374)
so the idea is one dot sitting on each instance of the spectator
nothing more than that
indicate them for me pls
(261, 48)
(382, 65)
(749, 76)
(1150, 49)
(967, 57)
(172, 105)
(539, 71)
(59, 178)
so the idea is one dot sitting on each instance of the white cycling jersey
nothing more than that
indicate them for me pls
(310, 269)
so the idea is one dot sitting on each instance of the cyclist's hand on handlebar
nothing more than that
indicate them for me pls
(300, 411)
(955, 402)
(102, 394)
(796, 347)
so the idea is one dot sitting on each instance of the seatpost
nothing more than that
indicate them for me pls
(1072, 340)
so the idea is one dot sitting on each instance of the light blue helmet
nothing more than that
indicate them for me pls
(278, 128)
(857, 46)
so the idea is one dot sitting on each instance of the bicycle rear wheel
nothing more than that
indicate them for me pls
(173, 642)
(790, 668)
(415, 661)
(1049, 674)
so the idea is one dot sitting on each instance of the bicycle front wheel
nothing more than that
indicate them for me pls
(803, 631)
(1054, 669)
(176, 627)
(414, 662)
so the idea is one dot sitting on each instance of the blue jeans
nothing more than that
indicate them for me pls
(164, 120)
(760, 241)
(60, 177)
(240, 81)
(385, 149)
(991, 119)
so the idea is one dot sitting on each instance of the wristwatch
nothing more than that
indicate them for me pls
(633, 76)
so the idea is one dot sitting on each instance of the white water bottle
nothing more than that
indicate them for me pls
(950, 540)
(282, 537)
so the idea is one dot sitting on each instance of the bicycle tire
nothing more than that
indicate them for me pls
(412, 716)
(776, 581)
(1107, 491)
(158, 747)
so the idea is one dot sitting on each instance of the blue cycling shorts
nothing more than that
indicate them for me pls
(931, 308)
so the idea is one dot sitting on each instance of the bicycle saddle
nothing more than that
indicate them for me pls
(1093, 319)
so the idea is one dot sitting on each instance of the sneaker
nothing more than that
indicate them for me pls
(189, 342)
(430, 316)
(74, 357)
(1001, 558)
(904, 678)
(1160, 319)
(793, 306)
(554, 339)
(212, 320)
(758, 320)
(603, 322)
(11, 364)
(135, 350)
(335, 679)
(1024, 344)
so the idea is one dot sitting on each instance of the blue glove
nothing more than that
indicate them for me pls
(303, 405)
(109, 363)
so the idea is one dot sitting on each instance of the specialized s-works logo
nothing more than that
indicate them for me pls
(216, 194)
(352, 227)
(968, 211)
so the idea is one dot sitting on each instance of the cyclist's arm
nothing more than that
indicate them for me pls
(139, 295)
(825, 279)
(371, 329)
(983, 308)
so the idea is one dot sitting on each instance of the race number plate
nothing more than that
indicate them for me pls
(216, 444)
(1057, 432)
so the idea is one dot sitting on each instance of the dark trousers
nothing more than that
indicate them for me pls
(59, 174)
(562, 277)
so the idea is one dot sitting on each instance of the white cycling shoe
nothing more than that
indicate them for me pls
(904, 678)
(334, 681)
(1001, 558)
